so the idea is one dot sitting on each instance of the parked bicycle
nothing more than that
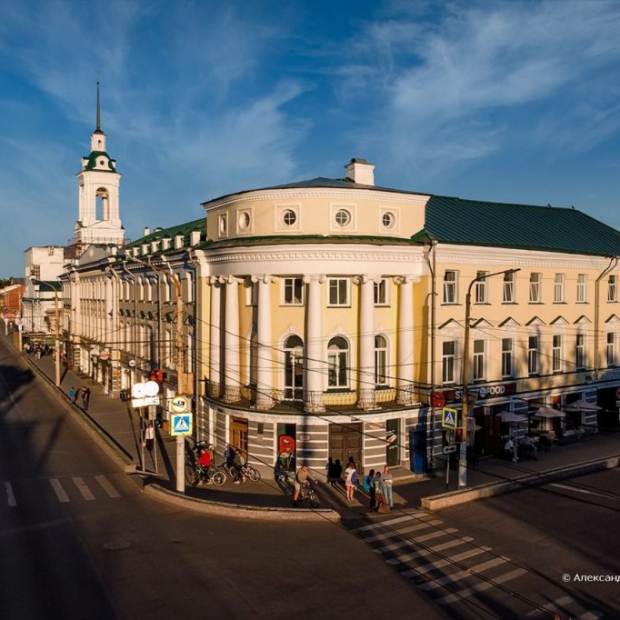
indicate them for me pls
(308, 494)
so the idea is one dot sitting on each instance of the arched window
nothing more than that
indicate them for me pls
(381, 360)
(338, 363)
(293, 368)
(102, 206)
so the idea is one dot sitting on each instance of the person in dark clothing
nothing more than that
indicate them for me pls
(85, 397)
(337, 472)
(369, 487)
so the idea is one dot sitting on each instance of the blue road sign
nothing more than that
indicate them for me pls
(181, 424)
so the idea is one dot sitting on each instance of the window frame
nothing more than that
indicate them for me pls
(377, 289)
(610, 349)
(478, 365)
(533, 361)
(612, 288)
(339, 304)
(580, 351)
(448, 361)
(507, 354)
(450, 285)
(341, 365)
(381, 352)
(508, 285)
(581, 294)
(559, 288)
(285, 284)
(557, 361)
(535, 286)
(481, 288)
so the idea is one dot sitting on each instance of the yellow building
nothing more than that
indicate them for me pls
(329, 315)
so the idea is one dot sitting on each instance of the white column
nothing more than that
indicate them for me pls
(264, 371)
(232, 376)
(405, 342)
(313, 394)
(366, 364)
(109, 315)
(215, 344)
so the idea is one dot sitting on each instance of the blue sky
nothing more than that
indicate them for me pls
(509, 101)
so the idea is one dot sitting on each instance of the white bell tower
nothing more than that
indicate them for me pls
(99, 219)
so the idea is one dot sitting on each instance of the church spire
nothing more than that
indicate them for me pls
(98, 128)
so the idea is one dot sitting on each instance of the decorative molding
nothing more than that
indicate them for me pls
(559, 321)
(613, 319)
(535, 321)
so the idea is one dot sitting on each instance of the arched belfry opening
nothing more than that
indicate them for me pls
(102, 207)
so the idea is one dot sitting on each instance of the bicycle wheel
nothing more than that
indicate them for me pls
(218, 478)
(253, 474)
(313, 499)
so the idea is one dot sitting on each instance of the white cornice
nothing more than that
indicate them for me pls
(486, 255)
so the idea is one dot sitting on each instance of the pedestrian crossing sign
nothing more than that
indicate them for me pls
(180, 424)
(449, 417)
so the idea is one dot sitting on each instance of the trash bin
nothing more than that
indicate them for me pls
(417, 451)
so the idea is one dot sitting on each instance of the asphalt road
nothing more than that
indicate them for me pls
(79, 540)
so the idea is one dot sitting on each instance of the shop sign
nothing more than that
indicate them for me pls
(491, 391)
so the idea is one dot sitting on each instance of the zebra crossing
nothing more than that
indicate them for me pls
(452, 568)
(63, 490)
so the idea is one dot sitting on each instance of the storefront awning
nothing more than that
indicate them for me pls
(511, 417)
(548, 412)
(582, 405)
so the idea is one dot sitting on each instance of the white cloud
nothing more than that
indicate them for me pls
(441, 82)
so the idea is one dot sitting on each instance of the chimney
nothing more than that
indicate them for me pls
(361, 171)
(147, 231)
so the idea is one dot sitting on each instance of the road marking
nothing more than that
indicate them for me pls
(423, 552)
(481, 587)
(472, 571)
(420, 526)
(83, 489)
(459, 557)
(60, 492)
(10, 496)
(379, 524)
(449, 530)
(578, 490)
(106, 485)
(564, 601)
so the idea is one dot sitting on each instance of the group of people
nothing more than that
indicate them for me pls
(38, 350)
(378, 485)
(82, 393)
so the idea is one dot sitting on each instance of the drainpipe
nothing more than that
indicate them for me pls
(597, 311)
(431, 422)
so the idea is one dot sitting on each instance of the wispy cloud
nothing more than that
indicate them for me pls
(441, 81)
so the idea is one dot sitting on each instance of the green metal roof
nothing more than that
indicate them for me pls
(48, 285)
(91, 164)
(293, 239)
(172, 232)
(551, 229)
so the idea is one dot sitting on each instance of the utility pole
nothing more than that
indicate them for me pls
(57, 339)
(465, 375)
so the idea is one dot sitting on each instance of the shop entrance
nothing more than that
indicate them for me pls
(345, 440)
(239, 434)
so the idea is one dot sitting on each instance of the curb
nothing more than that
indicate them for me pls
(240, 511)
(492, 489)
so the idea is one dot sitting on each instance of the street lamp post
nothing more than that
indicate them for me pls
(465, 374)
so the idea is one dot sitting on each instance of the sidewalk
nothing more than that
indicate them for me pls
(122, 424)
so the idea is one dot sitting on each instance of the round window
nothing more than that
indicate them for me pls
(388, 219)
(289, 217)
(343, 217)
(244, 220)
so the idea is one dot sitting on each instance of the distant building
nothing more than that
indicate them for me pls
(10, 303)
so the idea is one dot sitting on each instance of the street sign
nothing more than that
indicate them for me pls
(180, 424)
(180, 404)
(449, 449)
(144, 401)
(144, 390)
(449, 417)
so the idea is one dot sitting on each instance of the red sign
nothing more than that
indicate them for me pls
(286, 444)
(157, 375)
(438, 399)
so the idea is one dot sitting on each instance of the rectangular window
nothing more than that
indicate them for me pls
(380, 366)
(558, 288)
(449, 287)
(507, 357)
(556, 354)
(535, 279)
(447, 361)
(580, 352)
(381, 293)
(508, 292)
(478, 370)
(339, 292)
(532, 355)
(611, 349)
(582, 293)
(481, 288)
(612, 288)
(293, 291)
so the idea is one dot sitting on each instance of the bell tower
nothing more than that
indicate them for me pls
(99, 219)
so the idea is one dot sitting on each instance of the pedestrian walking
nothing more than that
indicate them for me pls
(369, 487)
(337, 472)
(380, 503)
(149, 437)
(388, 481)
(350, 480)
